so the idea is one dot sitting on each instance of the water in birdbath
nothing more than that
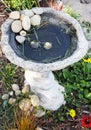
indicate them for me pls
(55, 39)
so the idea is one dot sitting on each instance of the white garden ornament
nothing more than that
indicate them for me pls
(39, 75)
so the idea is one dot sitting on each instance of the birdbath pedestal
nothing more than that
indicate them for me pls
(68, 46)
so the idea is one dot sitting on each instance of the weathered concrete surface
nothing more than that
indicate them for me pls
(83, 9)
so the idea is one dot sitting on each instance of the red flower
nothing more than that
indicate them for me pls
(86, 121)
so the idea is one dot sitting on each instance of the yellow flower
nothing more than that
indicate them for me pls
(87, 60)
(72, 113)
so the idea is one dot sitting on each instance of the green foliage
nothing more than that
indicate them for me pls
(77, 81)
(20, 4)
(7, 74)
(71, 12)
(6, 114)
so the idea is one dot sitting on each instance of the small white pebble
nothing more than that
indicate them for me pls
(14, 15)
(35, 20)
(5, 96)
(16, 26)
(26, 24)
(12, 100)
(47, 45)
(34, 44)
(23, 33)
(15, 87)
(20, 39)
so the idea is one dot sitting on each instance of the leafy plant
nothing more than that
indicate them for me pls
(71, 12)
(6, 113)
(7, 74)
(77, 81)
(20, 4)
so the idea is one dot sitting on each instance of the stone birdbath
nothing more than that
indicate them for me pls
(53, 43)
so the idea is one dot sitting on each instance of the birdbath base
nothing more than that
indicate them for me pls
(46, 88)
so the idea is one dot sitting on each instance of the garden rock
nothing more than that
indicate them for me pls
(11, 93)
(15, 87)
(25, 104)
(12, 101)
(35, 100)
(20, 39)
(16, 26)
(5, 96)
(35, 20)
(26, 89)
(26, 24)
(23, 33)
(14, 15)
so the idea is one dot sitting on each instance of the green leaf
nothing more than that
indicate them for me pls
(86, 92)
(89, 95)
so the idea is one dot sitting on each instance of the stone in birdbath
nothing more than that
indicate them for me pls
(47, 45)
(26, 23)
(16, 26)
(23, 33)
(20, 39)
(14, 15)
(35, 20)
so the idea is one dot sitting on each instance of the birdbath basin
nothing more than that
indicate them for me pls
(61, 43)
